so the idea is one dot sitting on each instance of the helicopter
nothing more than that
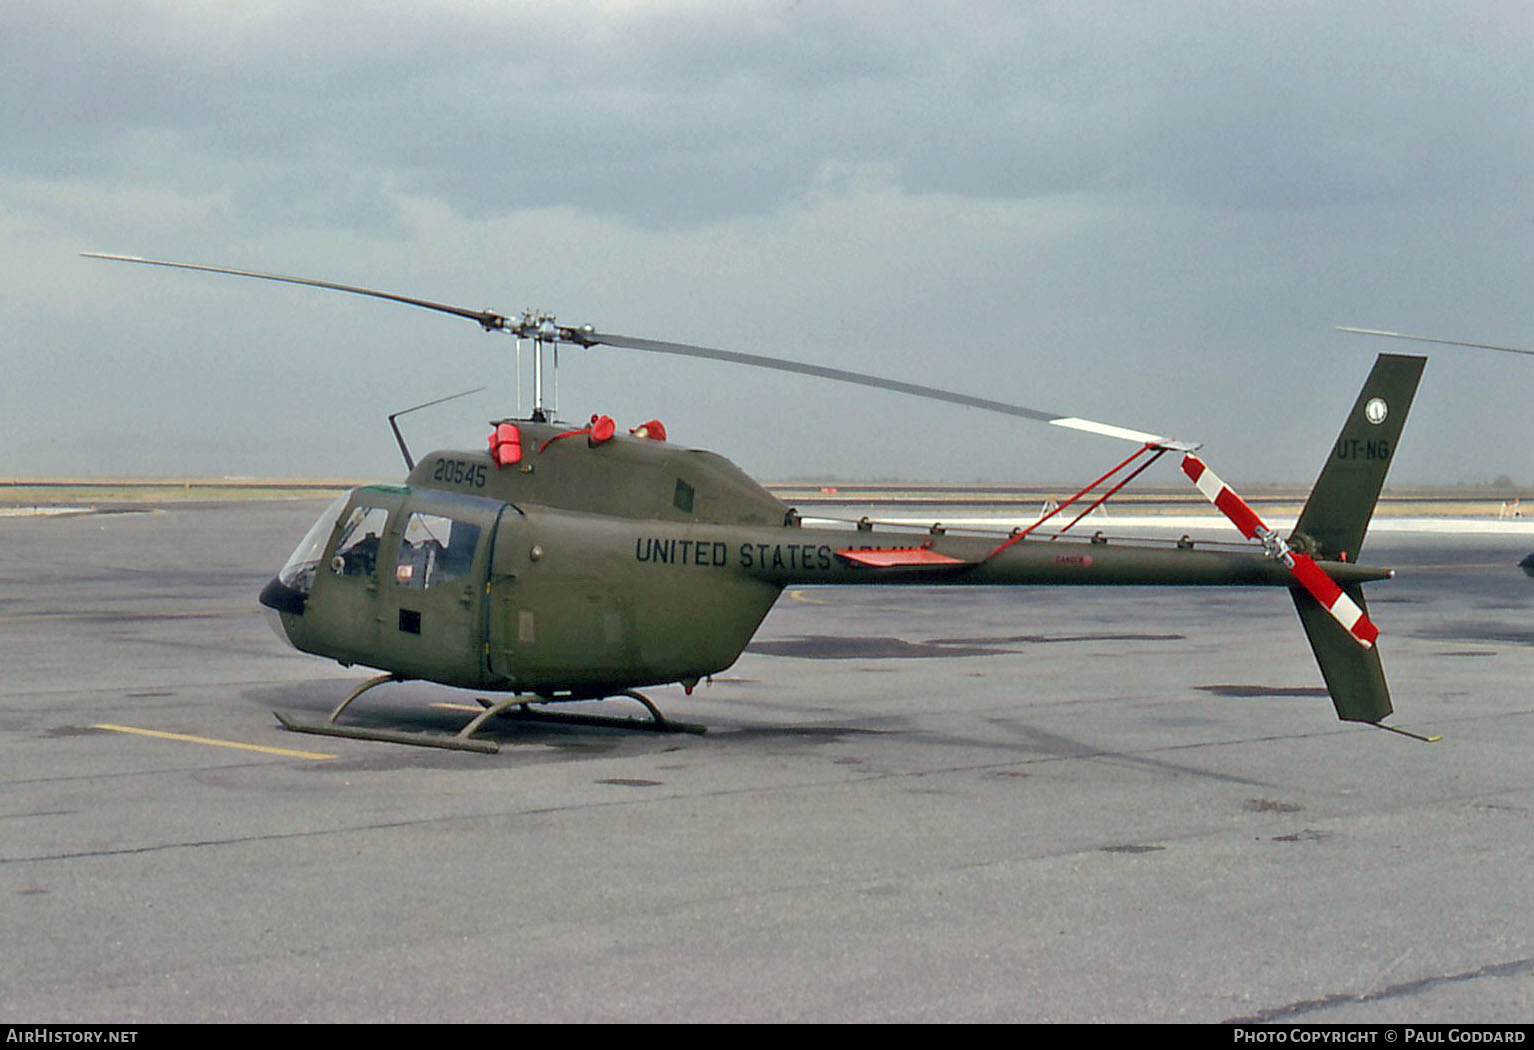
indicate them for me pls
(572, 562)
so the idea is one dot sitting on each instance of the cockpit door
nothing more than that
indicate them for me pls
(341, 613)
(431, 604)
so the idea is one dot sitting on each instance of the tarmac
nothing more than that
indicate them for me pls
(913, 804)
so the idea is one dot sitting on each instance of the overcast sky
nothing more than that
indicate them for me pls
(1150, 214)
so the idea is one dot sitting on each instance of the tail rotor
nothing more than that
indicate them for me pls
(1331, 528)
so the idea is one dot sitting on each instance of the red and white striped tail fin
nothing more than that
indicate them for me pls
(1306, 572)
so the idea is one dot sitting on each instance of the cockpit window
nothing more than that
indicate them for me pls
(357, 548)
(434, 550)
(298, 571)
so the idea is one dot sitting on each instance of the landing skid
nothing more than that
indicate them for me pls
(657, 723)
(390, 736)
(514, 709)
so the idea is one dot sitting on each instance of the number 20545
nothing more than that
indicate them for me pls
(459, 472)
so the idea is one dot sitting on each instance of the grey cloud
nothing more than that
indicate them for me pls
(671, 116)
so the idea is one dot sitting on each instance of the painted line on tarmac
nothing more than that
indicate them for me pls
(212, 742)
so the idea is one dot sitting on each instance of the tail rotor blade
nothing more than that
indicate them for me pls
(1334, 600)
(1306, 572)
(1221, 495)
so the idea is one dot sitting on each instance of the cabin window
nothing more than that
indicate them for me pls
(434, 550)
(357, 548)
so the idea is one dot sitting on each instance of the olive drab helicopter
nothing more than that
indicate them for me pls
(570, 562)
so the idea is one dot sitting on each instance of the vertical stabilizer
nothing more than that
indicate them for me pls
(1353, 674)
(1336, 516)
(1333, 524)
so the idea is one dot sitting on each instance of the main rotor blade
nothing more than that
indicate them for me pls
(841, 375)
(488, 320)
(541, 327)
(1430, 339)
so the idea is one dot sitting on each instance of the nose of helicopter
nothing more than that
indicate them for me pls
(278, 598)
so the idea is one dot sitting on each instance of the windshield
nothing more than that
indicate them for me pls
(298, 571)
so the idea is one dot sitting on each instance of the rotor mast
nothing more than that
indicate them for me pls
(545, 333)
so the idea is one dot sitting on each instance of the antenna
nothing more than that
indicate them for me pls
(409, 462)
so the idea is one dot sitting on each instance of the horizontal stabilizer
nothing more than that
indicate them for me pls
(904, 558)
